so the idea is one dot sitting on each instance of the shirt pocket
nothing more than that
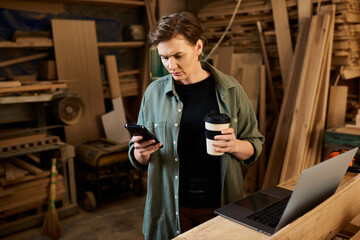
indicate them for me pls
(158, 129)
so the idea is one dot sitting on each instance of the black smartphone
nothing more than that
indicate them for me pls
(140, 130)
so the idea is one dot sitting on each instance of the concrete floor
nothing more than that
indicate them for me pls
(119, 219)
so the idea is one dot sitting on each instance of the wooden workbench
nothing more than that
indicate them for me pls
(323, 222)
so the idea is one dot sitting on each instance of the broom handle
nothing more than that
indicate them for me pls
(53, 183)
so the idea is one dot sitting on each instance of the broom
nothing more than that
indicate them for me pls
(51, 226)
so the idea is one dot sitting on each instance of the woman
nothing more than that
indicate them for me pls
(185, 184)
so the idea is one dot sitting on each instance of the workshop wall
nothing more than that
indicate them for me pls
(110, 23)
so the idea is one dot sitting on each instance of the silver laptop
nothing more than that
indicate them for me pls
(270, 209)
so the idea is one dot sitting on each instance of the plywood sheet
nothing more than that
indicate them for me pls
(245, 67)
(225, 54)
(337, 107)
(77, 58)
(114, 123)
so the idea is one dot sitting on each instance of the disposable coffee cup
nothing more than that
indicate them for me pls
(214, 123)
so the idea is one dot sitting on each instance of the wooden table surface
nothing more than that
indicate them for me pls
(323, 222)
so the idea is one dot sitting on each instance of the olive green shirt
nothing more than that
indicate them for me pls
(160, 112)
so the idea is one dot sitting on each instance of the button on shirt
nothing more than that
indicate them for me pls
(160, 110)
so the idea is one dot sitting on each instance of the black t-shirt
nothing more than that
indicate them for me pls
(199, 172)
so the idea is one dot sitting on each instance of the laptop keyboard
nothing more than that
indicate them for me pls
(270, 216)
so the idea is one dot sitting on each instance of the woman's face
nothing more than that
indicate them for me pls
(180, 58)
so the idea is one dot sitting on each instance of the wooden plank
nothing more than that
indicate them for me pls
(19, 172)
(34, 158)
(7, 84)
(112, 76)
(328, 218)
(23, 59)
(24, 179)
(337, 106)
(9, 171)
(115, 121)
(283, 37)
(356, 236)
(299, 61)
(77, 57)
(123, 73)
(27, 166)
(124, 3)
(35, 220)
(254, 176)
(262, 124)
(245, 68)
(305, 9)
(314, 149)
(221, 228)
(150, 12)
(268, 70)
(2, 167)
(34, 87)
(225, 54)
(119, 3)
(129, 44)
(126, 44)
(5, 193)
(42, 7)
(350, 72)
(23, 139)
(26, 196)
(309, 85)
(322, 222)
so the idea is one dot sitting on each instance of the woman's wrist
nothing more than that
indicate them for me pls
(243, 149)
(143, 159)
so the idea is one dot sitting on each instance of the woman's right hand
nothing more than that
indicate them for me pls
(143, 149)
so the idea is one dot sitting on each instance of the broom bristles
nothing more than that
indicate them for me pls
(52, 226)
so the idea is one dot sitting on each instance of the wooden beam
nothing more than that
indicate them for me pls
(23, 59)
(112, 76)
(126, 44)
(305, 9)
(114, 121)
(34, 87)
(299, 61)
(314, 149)
(27, 166)
(305, 100)
(119, 3)
(7, 84)
(283, 37)
(268, 70)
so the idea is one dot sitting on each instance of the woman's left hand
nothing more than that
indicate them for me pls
(228, 143)
(240, 149)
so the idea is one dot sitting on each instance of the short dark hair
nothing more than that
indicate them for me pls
(170, 26)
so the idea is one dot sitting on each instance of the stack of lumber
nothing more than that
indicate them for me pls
(20, 92)
(24, 186)
(243, 34)
(128, 81)
(298, 138)
(347, 38)
(16, 87)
